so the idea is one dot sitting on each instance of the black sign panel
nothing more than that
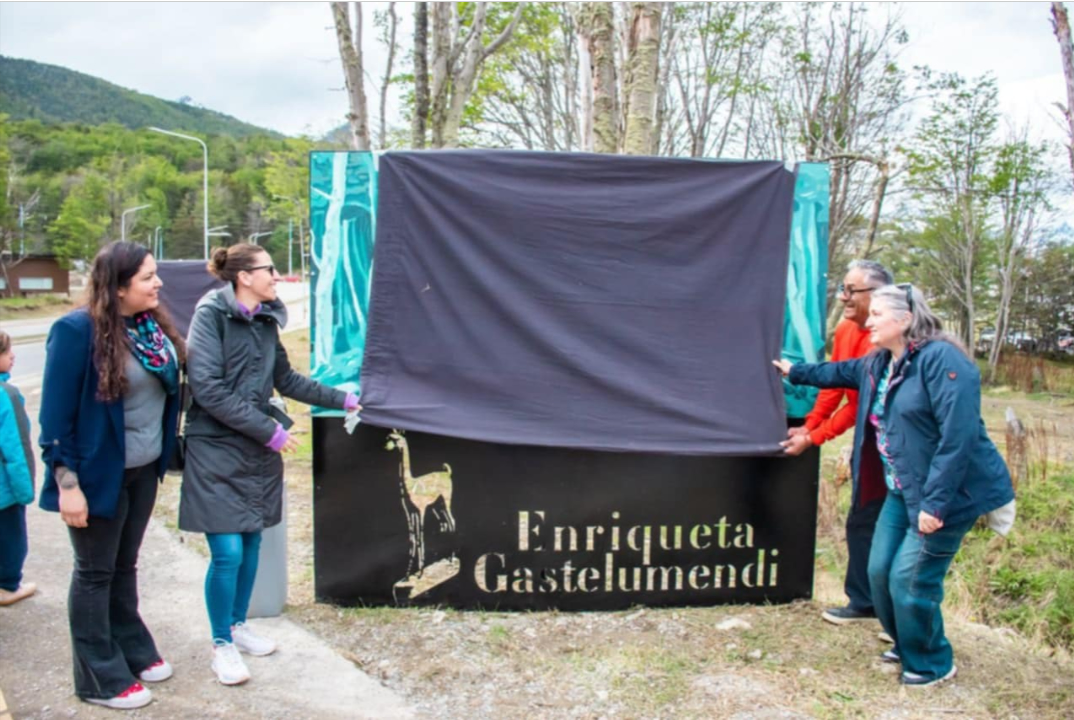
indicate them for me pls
(431, 520)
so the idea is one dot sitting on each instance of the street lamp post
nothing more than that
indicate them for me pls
(205, 179)
(123, 221)
(158, 243)
(255, 236)
(290, 229)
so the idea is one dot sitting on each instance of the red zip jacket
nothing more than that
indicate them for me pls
(827, 419)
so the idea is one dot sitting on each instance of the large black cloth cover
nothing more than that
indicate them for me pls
(572, 300)
(185, 281)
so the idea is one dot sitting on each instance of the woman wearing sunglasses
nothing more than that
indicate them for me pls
(233, 478)
(919, 423)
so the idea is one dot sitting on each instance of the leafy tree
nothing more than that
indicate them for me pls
(1019, 184)
(1043, 307)
(83, 221)
(949, 164)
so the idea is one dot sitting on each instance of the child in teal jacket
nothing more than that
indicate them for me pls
(16, 481)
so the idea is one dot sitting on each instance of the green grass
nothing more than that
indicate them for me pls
(26, 308)
(1026, 581)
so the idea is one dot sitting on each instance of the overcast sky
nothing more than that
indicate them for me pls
(276, 64)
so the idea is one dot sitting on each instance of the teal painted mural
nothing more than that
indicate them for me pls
(343, 201)
(807, 280)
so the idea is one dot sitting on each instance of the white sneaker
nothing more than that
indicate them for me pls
(250, 642)
(159, 671)
(228, 665)
(133, 697)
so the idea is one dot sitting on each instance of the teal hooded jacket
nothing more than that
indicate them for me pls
(16, 459)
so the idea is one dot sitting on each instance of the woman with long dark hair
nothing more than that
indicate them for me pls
(919, 427)
(109, 407)
(233, 479)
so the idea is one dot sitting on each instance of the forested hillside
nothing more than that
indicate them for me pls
(32, 90)
(74, 181)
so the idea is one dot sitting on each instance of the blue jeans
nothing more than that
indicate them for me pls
(12, 546)
(906, 572)
(230, 579)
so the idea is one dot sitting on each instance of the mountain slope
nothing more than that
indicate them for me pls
(49, 93)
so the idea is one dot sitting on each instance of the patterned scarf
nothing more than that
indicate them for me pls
(154, 350)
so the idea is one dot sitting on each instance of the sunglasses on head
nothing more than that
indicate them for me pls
(908, 288)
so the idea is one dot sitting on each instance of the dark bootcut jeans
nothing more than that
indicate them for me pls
(12, 546)
(861, 524)
(907, 569)
(110, 642)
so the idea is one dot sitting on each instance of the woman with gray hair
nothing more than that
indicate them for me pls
(919, 417)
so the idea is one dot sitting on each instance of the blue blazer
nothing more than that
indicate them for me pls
(942, 455)
(79, 431)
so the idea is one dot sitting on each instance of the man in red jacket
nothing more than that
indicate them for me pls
(832, 417)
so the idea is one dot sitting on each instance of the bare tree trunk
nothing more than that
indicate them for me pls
(421, 76)
(883, 169)
(392, 22)
(1061, 27)
(570, 81)
(442, 43)
(456, 64)
(350, 53)
(663, 84)
(643, 59)
(597, 26)
(585, 82)
(968, 265)
(878, 202)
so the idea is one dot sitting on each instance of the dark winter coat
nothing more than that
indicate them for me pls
(232, 482)
(942, 455)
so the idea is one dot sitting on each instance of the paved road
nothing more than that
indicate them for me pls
(28, 335)
(19, 329)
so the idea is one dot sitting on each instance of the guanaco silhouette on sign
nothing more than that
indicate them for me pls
(426, 501)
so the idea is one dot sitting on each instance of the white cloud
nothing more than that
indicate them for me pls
(271, 64)
(276, 64)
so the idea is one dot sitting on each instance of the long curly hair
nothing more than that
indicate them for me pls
(113, 268)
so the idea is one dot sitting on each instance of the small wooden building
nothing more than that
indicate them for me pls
(32, 275)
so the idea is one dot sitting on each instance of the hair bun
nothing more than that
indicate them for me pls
(217, 262)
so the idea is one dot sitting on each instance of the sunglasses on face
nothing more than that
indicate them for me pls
(270, 267)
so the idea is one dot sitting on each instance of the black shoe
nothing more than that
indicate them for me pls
(844, 615)
(914, 680)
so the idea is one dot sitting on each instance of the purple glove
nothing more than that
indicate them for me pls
(279, 439)
(351, 403)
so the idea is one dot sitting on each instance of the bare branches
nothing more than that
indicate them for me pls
(350, 53)
(392, 23)
(1061, 27)
(456, 64)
